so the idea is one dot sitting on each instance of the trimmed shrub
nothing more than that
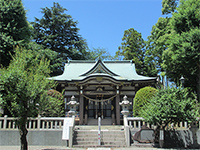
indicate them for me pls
(141, 98)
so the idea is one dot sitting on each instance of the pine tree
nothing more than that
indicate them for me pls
(14, 28)
(57, 31)
(133, 48)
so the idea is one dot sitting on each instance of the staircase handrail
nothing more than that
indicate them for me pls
(99, 131)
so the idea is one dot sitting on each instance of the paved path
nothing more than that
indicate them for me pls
(65, 148)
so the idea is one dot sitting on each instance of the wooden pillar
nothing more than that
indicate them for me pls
(117, 109)
(81, 109)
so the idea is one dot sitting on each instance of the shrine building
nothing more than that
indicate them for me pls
(99, 86)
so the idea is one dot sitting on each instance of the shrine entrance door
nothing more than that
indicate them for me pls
(99, 109)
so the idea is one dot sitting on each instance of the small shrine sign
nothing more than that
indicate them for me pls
(66, 125)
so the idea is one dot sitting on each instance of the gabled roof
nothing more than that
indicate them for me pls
(78, 70)
(99, 67)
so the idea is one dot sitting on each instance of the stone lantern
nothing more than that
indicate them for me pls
(125, 105)
(182, 80)
(72, 104)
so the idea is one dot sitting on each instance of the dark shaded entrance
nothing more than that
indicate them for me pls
(99, 109)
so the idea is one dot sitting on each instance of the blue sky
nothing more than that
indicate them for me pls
(103, 22)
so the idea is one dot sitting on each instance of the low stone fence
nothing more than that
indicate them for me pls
(41, 131)
(138, 122)
(48, 131)
(53, 123)
(184, 136)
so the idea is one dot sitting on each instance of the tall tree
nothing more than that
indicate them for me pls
(133, 48)
(101, 53)
(14, 28)
(24, 86)
(183, 55)
(169, 6)
(57, 31)
(157, 44)
(48, 54)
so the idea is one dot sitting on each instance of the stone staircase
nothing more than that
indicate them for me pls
(87, 136)
(93, 122)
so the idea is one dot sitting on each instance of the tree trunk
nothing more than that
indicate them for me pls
(23, 132)
(156, 134)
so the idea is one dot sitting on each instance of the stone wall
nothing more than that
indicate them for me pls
(35, 137)
(189, 138)
(178, 138)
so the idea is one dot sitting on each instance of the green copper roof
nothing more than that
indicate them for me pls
(76, 70)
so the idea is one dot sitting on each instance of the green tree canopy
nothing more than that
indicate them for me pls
(55, 106)
(170, 105)
(48, 54)
(169, 6)
(24, 86)
(133, 48)
(141, 98)
(156, 44)
(57, 31)
(101, 53)
(14, 28)
(183, 54)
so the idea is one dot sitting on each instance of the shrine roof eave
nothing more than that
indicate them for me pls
(115, 70)
(116, 78)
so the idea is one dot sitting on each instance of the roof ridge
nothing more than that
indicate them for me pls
(104, 61)
(117, 61)
(81, 61)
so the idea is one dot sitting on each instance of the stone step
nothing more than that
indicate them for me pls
(117, 142)
(96, 146)
(89, 127)
(87, 136)
(103, 135)
(86, 139)
(106, 121)
(85, 133)
(96, 143)
(85, 142)
(78, 138)
(111, 132)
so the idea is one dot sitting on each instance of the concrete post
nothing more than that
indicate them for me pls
(161, 138)
(38, 122)
(194, 129)
(127, 132)
(71, 132)
(5, 121)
